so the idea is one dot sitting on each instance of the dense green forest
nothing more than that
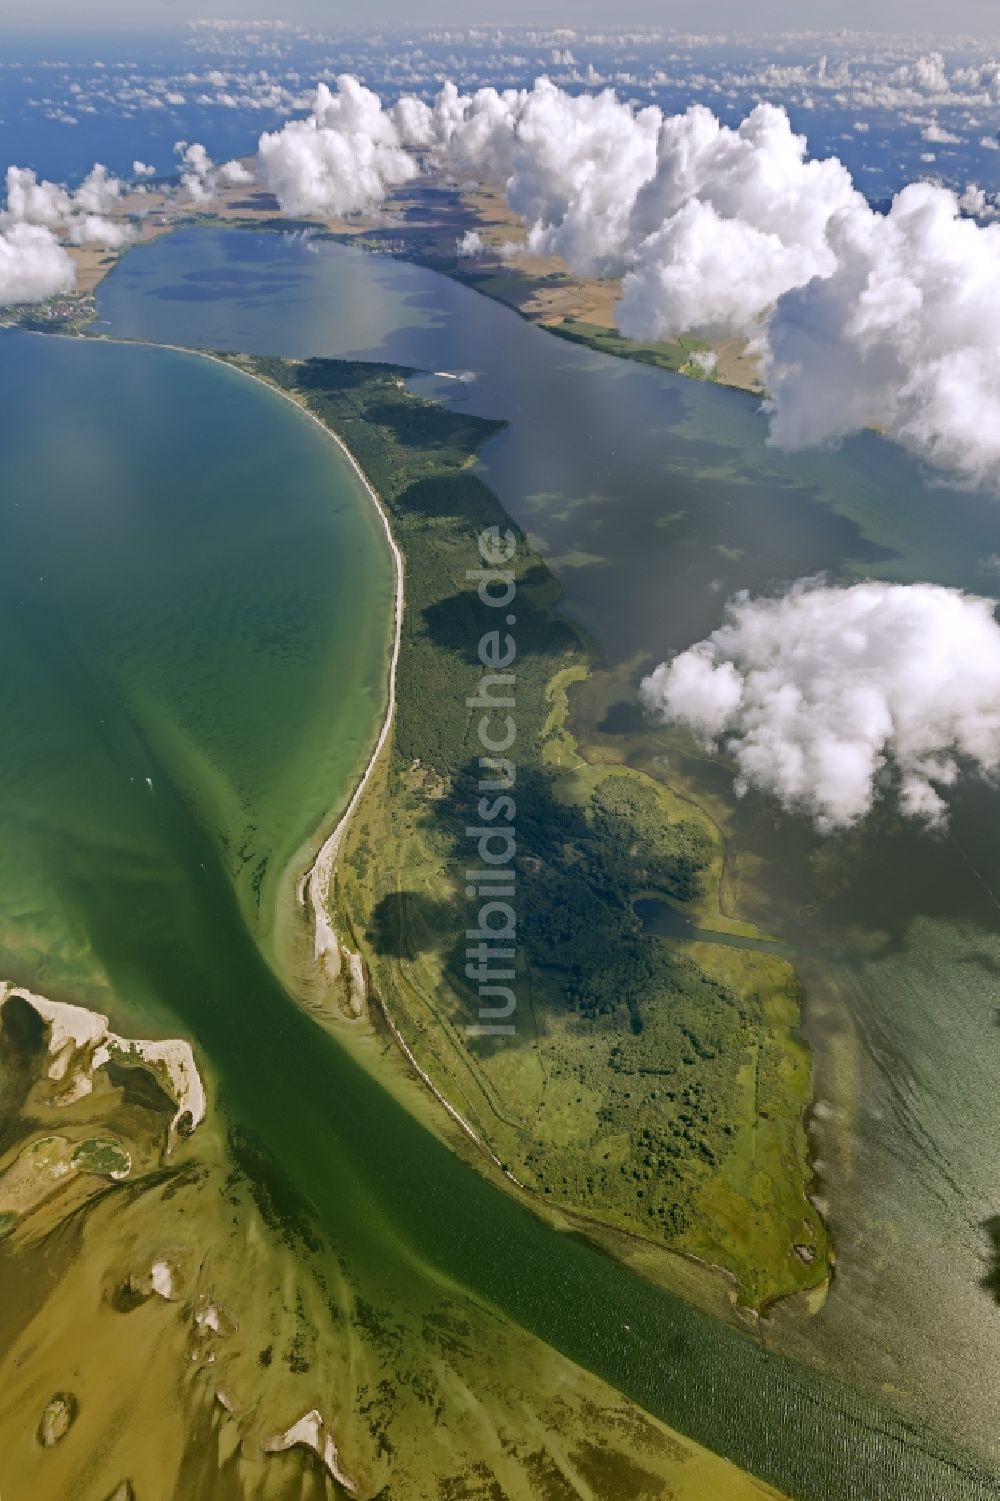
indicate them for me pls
(654, 1084)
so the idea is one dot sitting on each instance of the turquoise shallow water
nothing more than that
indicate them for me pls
(196, 597)
(190, 633)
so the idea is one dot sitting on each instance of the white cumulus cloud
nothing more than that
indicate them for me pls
(905, 334)
(343, 158)
(33, 265)
(78, 216)
(937, 135)
(201, 178)
(578, 163)
(730, 221)
(827, 698)
(471, 244)
(40, 218)
(862, 318)
(927, 74)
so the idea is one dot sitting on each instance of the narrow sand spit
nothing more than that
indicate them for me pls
(316, 883)
(311, 1432)
(80, 1042)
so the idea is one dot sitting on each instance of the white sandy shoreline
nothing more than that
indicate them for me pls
(316, 881)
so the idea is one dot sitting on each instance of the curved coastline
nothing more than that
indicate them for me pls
(315, 882)
(313, 886)
(343, 819)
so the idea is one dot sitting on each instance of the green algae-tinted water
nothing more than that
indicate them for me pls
(196, 610)
(196, 597)
(164, 713)
(173, 583)
(656, 498)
